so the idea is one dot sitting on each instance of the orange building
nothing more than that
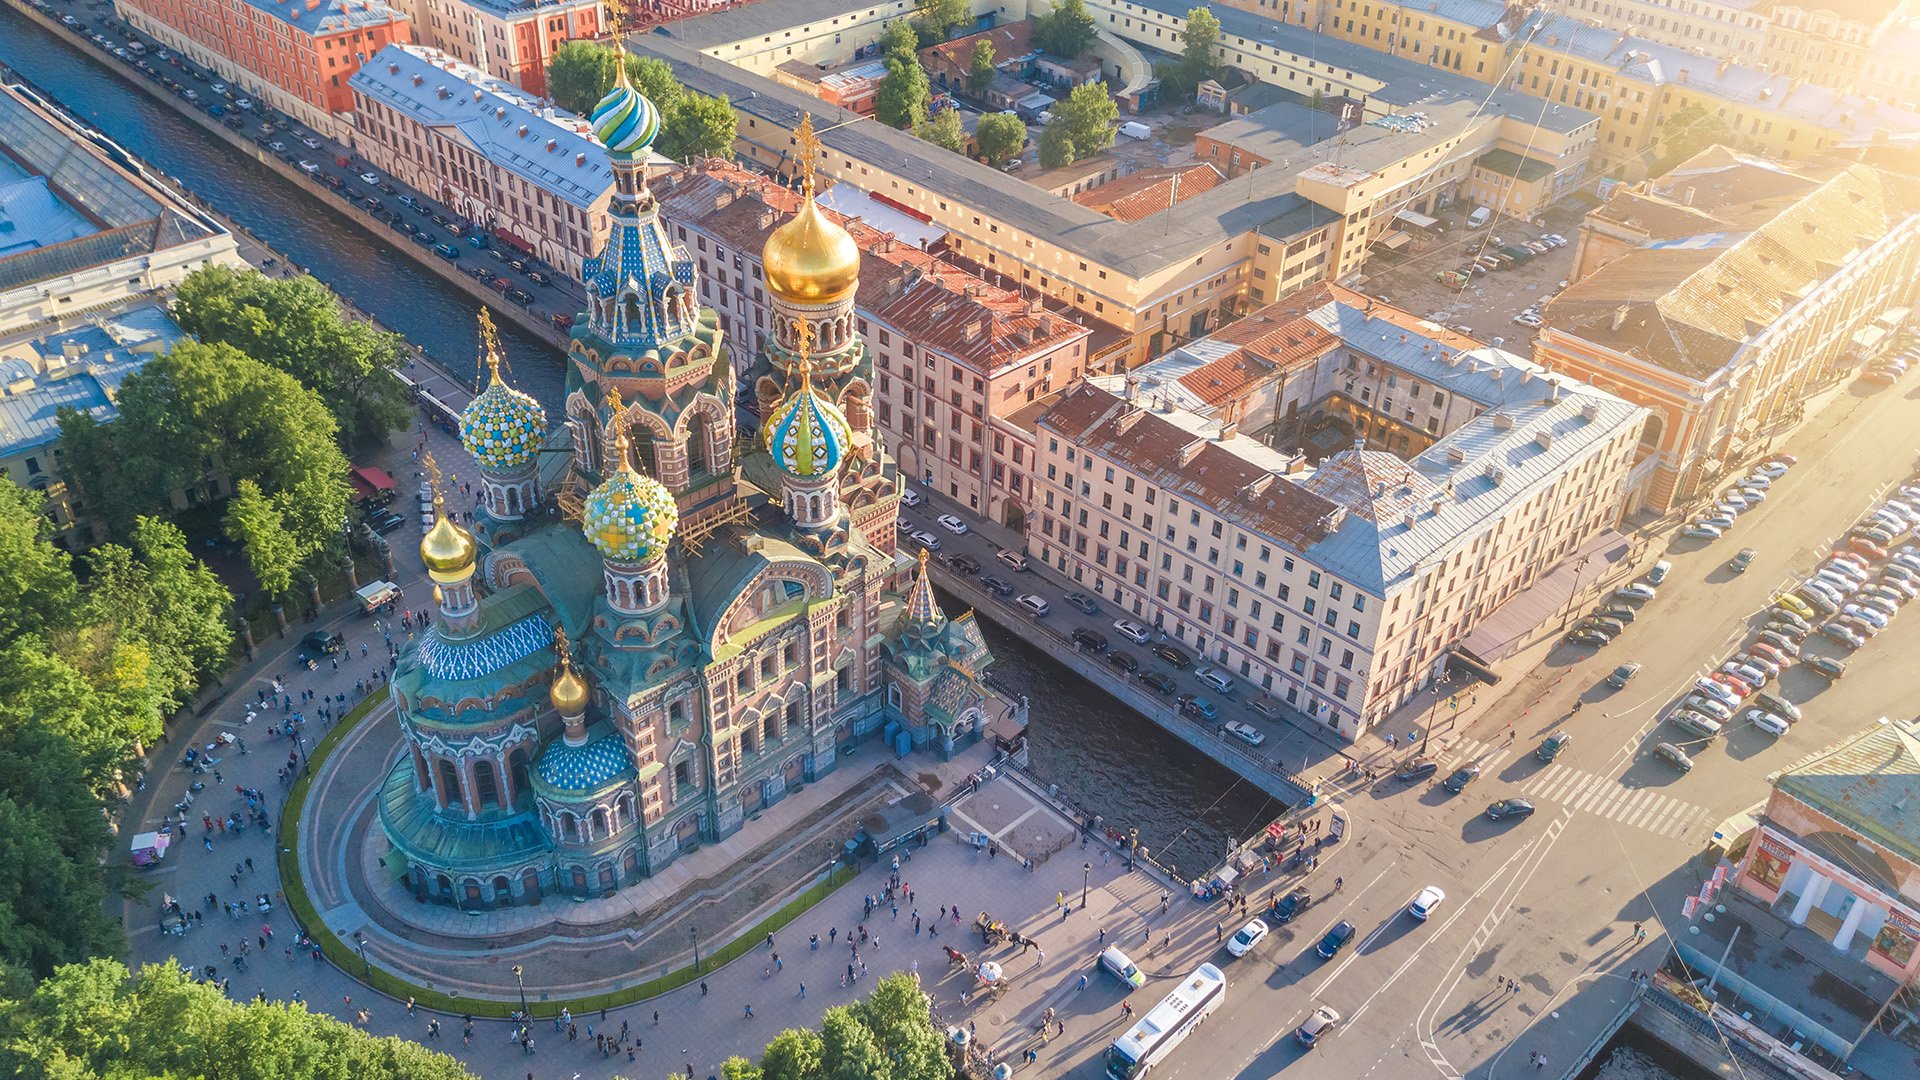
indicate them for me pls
(509, 39)
(296, 56)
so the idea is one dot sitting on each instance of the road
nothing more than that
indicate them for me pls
(1550, 901)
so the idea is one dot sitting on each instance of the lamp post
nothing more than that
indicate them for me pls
(360, 942)
(519, 980)
(694, 933)
(1086, 874)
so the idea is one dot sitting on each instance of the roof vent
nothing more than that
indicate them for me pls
(417, 80)
(499, 112)
(1435, 502)
(1590, 410)
(1456, 455)
(552, 144)
(579, 159)
(442, 92)
(1496, 474)
(522, 132)
(1409, 518)
(393, 69)
(477, 95)
(1545, 439)
(1502, 422)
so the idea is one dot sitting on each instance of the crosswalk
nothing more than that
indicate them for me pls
(1490, 754)
(1640, 808)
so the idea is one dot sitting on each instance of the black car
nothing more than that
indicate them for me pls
(1090, 640)
(1464, 775)
(1124, 661)
(1292, 904)
(539, 277)
(1417, 769)
(519, 265)
(372, 203)
(441, 220)
(385, 521)
(520, 296)
(1588, 637)
(319, 645)
(1177, 657)
(1335, 940)
(996, 586)
(1825, 666)
(1158, 683)
(966, 564)
(389, 188)
(1509, 809)
(1618, 612)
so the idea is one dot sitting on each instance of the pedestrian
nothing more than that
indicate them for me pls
(1103, 936)
(1126, 1008)
(1540, 1062)
(703, 988)
(749, 1013)
(803, 989)
(656, 1022)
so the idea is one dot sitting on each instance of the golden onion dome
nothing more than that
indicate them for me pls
(811, 260)
(447, 550)
(569, 691)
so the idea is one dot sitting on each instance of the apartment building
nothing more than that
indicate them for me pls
(295, 56)
(531, 173)
(1166, 278)
(1339, 588)
(951, 353)
(508, 39)
(1723, 294)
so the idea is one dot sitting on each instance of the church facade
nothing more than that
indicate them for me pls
(655, 628)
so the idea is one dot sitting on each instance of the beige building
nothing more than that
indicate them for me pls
(533, 175)
(507, 39)
(1339, 588)
(1725, 293)
(1174, 275)
(951, 354)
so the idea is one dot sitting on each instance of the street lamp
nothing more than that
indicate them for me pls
(519, 979)
(360, 942)
(1086, 874)
(694, 933)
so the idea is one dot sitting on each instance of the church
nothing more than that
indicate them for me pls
(653, 629)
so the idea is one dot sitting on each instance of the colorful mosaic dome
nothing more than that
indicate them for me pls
(629, 517)
(591, 767)
(808, 436)
(624, 121)
(502, 427)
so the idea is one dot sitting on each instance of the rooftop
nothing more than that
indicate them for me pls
(1149, 191)
(547, 147)
(1011, 41)
(1276, 129)
(508, 9)
(1508, 163)
(79, 368)
(330, 17)
(1868, 783)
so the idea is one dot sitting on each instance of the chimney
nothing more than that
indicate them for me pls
(1191, 451)
(1544, 439)
(417, 80)
(1456, 456)
(1590, 411)
(1435, 502)
(1502, 422)
(1619, 316)
(441, 92)
(579, 160)
(393, 69)
(311, 4)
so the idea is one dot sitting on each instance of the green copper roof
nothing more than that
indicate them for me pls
(484, 846)
(1869, 783)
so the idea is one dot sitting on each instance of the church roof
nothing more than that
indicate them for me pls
(513, 627)
(483, 846)
(568, 570)
(602, 761)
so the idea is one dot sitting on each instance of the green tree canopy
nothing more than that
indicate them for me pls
(903, 96)
(701, 126)
(945, 131)
(980, 69)
(96, 1022)
(1000, 136)
(1055, 146)
(1197, 61)
(934, 18)
(36, 578)
(1689, 130)
(1065, 30)
(654, 78)
(898, 39)
(579, 74)
(889, 1036)
(295, 325)
(53, 830)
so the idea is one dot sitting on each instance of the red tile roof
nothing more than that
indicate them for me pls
(1149, 191)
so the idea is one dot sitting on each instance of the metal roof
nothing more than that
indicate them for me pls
(549, 148)
(1867, 782)
(331, 17)
(32, 217)
(80, 368)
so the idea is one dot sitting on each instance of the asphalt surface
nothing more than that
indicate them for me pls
(1549, 901)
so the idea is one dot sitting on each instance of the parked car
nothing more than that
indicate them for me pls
(1673, 756)
(1637, 591)
(1090, 640)
(1034, 604)
(1417, 769)
(1825, 666)
(952, 524)
(1083, 602)
(1158, 683)
(1509, 809)
(1124, 661)
(1588, 637)
(1245, 732)
(1245, 938)
(1173, 655)
(1132, 631)
(1197, 707)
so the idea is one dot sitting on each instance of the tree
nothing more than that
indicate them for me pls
(655, 79)
(933, 18)
(945, 131)
(53, 831)
(96, 1021)
(849, 1048)
(980, 70)
(1197, 40)
(739, 1068)
(897, 39)
(903, 96)
(156, 593)
(1000, 136)
(700, 126)
(897, 1014)
(258, 524)
(1066, 30)
(1056, 146)
(37, 587)
(579, 74)
(794, 1055)
(295, 325)
(1689, 130)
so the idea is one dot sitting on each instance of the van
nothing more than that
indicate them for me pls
(1121, 967)
(1134, 129)
(1659, 573)
(1013, 559)
(1479, 218)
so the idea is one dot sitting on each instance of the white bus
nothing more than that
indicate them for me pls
(1157, 1034)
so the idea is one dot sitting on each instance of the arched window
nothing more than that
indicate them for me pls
(601, 825)
(486, 785)
(623, 810)
(570, 827)
(450, 783)
(517, 771)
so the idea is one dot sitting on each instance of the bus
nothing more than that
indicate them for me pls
(1163, 1029)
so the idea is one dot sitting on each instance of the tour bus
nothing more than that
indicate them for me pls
(1163, 1029)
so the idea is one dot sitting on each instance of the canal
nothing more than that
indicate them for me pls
(1101, 756)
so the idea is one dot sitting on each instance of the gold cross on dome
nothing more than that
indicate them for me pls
(803, 343)
(809, 153)
(489, 343)
(560, 644)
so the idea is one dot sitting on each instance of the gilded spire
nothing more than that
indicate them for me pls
(621, 444)
(808, 151)
(924, 617)
(490, 346)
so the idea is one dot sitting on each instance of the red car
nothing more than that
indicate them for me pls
(1761, 648)
(1785, 459)
(1866, 547)
(1737, 685)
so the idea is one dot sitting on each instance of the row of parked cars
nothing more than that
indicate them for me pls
(1888, 371)
(1742, 495)
(1497, 254)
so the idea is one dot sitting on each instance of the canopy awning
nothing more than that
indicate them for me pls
(1416, 219)
(1393, 241)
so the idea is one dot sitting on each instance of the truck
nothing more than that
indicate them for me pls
(376, 594)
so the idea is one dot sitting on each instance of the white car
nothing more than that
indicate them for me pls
(1757, 480)
(310, 143)
(244, 103)
(1746, 673)
(219, 88)
(1837, 581)
(308, 167)
(1721, 521)
(1900, 585)
(905, 527)
(952, 524)
(1421, 907)
(1246, 733)
(1845, 569)
(1034, 604)
(1733, 499)
(370, 178)
(1637, 591)
(1245, 938)
(1753, 495)
(1132, 631)
(1851, 558)
(1767, 722)
(1871, 616)
(1712, 706)
(1758, 663)
(1718, 691)
(927, 540)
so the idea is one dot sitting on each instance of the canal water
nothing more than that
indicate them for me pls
(1102, 757)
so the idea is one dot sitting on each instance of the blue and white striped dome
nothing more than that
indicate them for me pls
(624, 121)
(809, 436)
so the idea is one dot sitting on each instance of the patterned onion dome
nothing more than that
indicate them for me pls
(808, 435)
(625, 122)
(502, 427)
(602, 762)
(629, 517)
